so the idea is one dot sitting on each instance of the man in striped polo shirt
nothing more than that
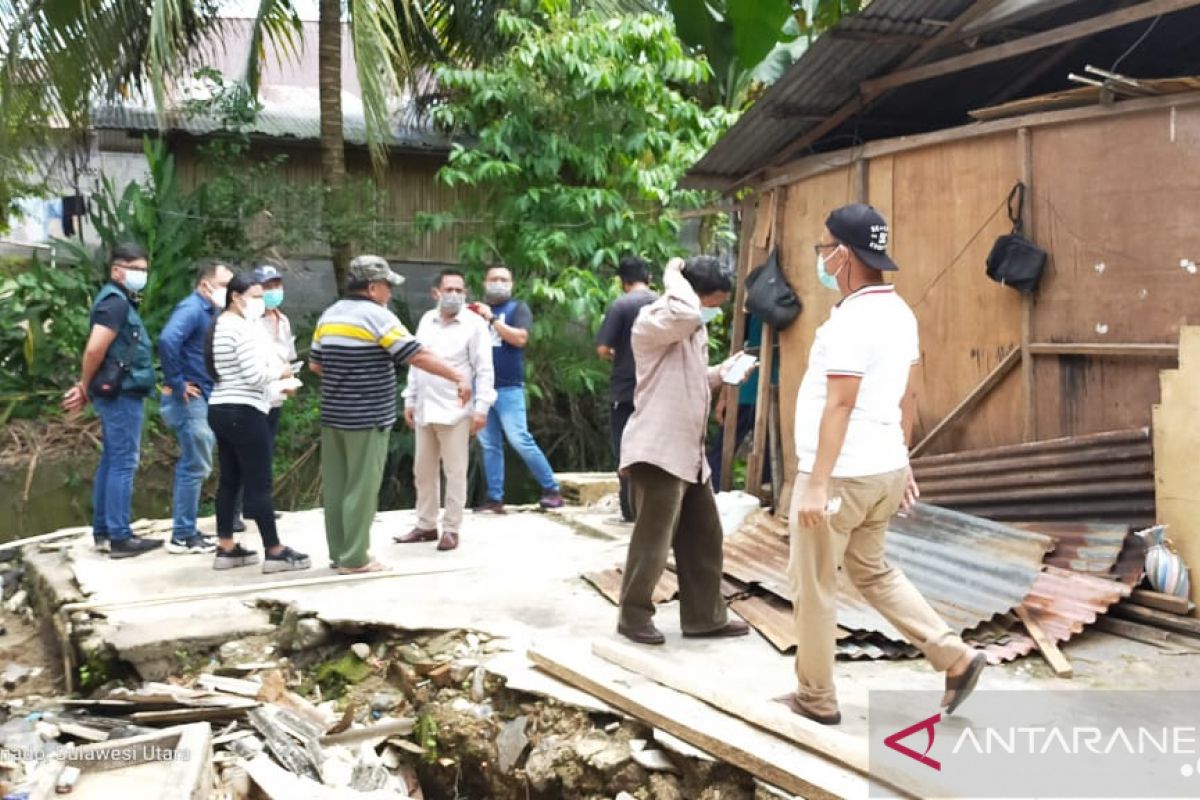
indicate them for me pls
(357, 346)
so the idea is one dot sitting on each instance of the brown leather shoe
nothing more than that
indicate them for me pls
(491, 507)
(449, 541)
(417, 535)
(735, 627)
(794, 706)
(647, 634)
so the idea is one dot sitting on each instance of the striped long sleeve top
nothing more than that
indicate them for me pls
(358, 345)
(243, 364)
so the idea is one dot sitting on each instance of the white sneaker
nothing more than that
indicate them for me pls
(194, 544)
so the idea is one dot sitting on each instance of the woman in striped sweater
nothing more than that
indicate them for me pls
(244, 369)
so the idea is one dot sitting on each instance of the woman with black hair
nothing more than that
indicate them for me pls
(244, 370)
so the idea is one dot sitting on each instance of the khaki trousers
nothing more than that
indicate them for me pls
(853, 539)
(442, 447)
(672, 513)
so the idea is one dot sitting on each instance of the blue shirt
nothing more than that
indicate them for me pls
(181, 345)
(509, 361)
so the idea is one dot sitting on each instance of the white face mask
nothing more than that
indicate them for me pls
(255, 308)
(451, 303)
(708, 314)
(498, 291)
(218, 297)
(135, 280)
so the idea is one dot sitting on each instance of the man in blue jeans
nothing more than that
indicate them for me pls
(117, 374)
(509, 321)
(184, 405)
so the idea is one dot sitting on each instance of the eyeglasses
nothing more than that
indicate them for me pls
(819, 246)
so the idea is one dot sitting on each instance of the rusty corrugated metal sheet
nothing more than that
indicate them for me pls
(1098, 477)
(1088, 547)
(608, 583)
(969, 569)
(1062, 603)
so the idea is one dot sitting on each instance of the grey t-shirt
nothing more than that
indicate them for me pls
(614, 333)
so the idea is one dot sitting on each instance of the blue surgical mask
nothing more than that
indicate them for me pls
(273, 298)
(827, 280)
(709, 313)
(135, 280)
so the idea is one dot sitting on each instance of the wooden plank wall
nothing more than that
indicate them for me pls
(1116, 204)
(411, 180)
(946, 206)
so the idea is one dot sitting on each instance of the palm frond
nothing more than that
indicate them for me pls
(384, 62)
(276, 21)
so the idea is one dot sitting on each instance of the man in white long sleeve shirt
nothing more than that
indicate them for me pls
(432, 409)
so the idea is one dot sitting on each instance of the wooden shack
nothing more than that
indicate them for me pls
(949, 106)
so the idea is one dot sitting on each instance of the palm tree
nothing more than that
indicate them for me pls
(60, 57)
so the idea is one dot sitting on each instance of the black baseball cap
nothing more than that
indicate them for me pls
(864, 230)
(266, 273)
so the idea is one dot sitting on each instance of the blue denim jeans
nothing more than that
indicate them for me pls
(189, 421)
(507, 420)
(121, 440)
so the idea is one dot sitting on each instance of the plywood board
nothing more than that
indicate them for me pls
(1115, 207)
(948, 207)
(806, 205)
(725, 737)
(1176, 443)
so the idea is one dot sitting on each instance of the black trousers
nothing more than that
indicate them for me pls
(618, 418)
(244, 453)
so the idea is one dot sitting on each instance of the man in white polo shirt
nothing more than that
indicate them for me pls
(854, 415)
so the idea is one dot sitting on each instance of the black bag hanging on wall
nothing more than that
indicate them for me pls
(768, 295)
(1015, 261)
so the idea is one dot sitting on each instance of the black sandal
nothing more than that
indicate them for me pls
(959, 688)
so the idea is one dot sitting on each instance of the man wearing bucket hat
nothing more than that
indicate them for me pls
(854, 415)
(356, 348)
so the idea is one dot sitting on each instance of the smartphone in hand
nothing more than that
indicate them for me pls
(739, 368)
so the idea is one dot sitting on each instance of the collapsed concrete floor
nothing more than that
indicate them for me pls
(514, 579)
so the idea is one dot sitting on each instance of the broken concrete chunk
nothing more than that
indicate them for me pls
(655, 761)
(478, 685)
(17, 600)
(511, 742)
(16, 674)
(462, 669)
(361, 649)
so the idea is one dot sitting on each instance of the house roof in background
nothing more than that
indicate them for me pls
(288, 94)
(800, 112)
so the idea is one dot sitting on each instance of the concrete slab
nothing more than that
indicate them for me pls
(515, 576)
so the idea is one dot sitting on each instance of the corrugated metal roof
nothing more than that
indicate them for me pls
(969, 569)
(871, 44)
(1088, 547)
(276, 120)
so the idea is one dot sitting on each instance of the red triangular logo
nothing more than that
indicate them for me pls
(893, 742)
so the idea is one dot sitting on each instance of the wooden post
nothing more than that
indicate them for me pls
(1025, 159)
(737, 341)
(758, 451)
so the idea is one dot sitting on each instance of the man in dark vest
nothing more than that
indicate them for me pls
(117, 374)
(509, 321)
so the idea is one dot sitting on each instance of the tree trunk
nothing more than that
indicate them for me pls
(333, 145)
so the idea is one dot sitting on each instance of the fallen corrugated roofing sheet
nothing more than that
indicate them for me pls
(969, 569)
(608, 583)
(772, 617)
(1088, 547)
(1062, 603)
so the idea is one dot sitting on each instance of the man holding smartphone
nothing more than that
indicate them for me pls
(854, 417)
(662, 453)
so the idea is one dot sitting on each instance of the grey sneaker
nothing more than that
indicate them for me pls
(192, 544)
(133, 546)
(101, 543)
(238, 556)
(286, 560)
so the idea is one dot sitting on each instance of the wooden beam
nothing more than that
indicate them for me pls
(762, 410)
(1148, 634)
(1058, 662)
(856, 104)
(731, 740)
(1029, 395)
(730, 697)
(1104, 350)
(1162, 602)
(1027, 44)
(730, 393)
(1162, 619)
(974, 396)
